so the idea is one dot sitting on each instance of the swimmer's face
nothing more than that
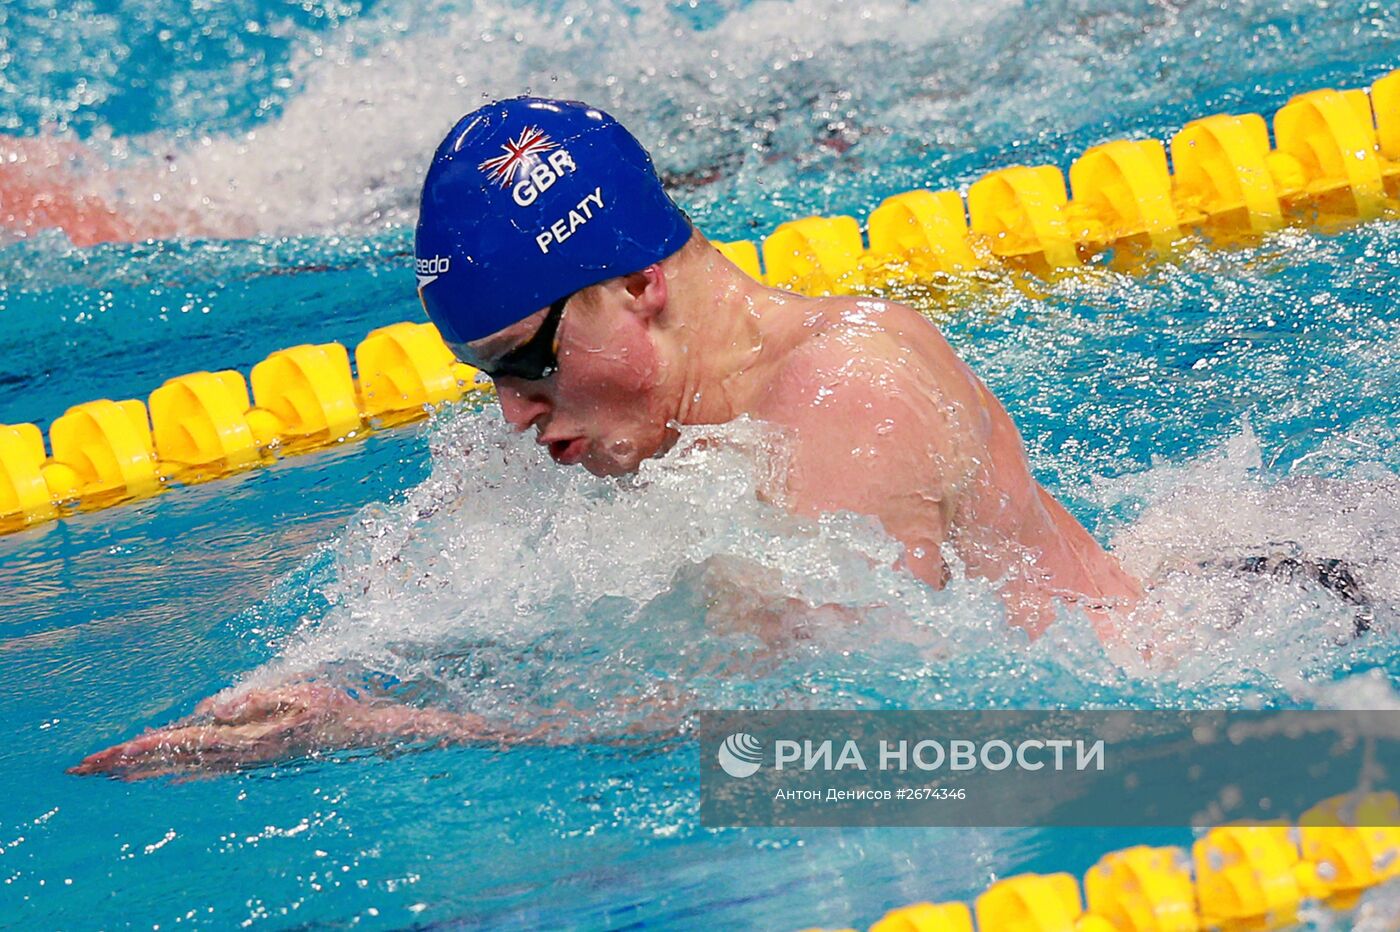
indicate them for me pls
(599, 405)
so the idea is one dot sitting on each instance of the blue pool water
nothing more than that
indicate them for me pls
(1216, 404)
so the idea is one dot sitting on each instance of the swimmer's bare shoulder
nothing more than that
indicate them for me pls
(888, 421)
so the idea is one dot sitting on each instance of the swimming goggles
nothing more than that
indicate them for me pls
(535, 359)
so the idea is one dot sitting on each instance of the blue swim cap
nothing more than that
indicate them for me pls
(527, 201)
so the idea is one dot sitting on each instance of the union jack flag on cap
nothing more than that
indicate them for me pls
(519, 153)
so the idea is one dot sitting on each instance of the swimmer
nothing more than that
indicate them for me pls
(40, 189)
(550, 257)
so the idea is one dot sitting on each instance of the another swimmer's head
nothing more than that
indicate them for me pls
(539, 255)
(526, 202)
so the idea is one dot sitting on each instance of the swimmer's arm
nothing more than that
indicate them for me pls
(742, 597)
(240, 728)
(246, 727)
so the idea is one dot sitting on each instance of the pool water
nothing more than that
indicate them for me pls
(1222, 403)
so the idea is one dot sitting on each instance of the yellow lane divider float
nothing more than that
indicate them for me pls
(1235, 878)
(203, 425)
(1336, 159)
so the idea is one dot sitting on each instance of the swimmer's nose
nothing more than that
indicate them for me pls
(521, 407)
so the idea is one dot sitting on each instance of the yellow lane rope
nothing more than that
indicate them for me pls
(1235, 877)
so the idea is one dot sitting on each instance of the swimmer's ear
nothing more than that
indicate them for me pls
(646, 291)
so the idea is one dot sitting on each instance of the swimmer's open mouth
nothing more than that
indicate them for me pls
(569, 451)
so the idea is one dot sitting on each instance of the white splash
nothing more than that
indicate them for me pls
(504, 581)
(510, 587)
(738, 102)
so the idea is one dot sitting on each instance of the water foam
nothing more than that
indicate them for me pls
(349, 149)
(797, 105)
(1197, 524)
(511, 588)
(504, 583)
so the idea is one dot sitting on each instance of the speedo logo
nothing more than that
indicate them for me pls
(529, 164)
(428, 270)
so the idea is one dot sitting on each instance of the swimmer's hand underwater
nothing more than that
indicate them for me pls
(231, 732)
